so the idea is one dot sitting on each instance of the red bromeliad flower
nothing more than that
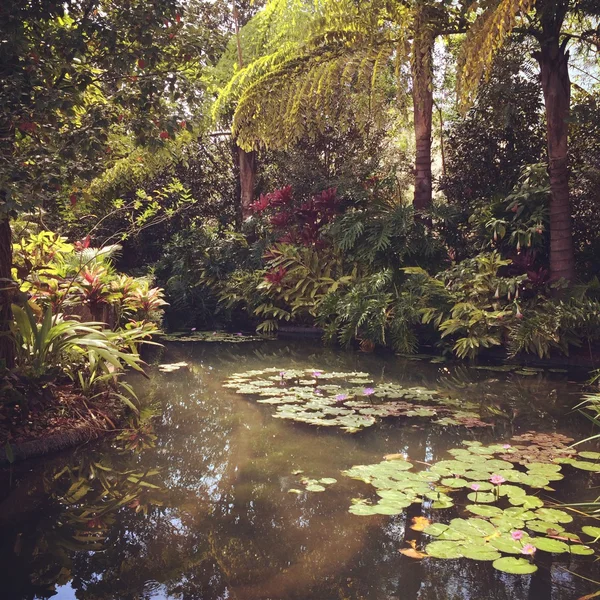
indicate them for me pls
(276, 276)
(261, 204)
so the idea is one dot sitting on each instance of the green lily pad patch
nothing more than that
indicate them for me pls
(211, 336)
(350, 401)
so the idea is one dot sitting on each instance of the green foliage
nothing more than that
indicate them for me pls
(204, 266)
(300, 55)
(73, 73)
(521, 219)
(384, 233)
(71, 277)
(556, 324)
(85, 352)
(296, 282)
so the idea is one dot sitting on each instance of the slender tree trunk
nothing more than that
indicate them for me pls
(556, 85)
(422, 76)
(7, 347)
(246, 160)
(247, 167)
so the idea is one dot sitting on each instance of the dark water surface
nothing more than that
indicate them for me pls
(221, 523)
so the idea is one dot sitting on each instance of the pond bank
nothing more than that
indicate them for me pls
(65, 421)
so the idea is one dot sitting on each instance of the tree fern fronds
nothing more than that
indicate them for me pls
(484, 39)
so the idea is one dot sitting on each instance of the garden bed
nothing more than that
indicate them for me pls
(67, 419)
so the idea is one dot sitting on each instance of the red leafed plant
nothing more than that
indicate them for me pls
(298, 222)
(276, 276)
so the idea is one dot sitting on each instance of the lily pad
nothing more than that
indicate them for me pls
(444, 549)
(553, 515)
(514, 566)
(591, 531)
(550, 545)
(581, 550)
(544, 527)
(484, 510)
(315, 487)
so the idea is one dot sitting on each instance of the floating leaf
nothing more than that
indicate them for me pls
(436, 529)
(590, 455)
(550, 545)
(584, 465)
(475, 552)
(455, 482)
(591, 531)
(412, 553)
(553, 515)
(581, 550)
(545, 527)
(514, 566)
(484, 510)
(314, 487)
(444, 549)
(481, 497)
(420, 523)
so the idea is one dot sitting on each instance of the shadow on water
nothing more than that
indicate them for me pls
(206, 513)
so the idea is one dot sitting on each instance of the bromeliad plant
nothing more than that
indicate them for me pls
(68, 276)
(92, 357)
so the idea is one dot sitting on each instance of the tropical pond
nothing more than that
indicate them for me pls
(289, 471)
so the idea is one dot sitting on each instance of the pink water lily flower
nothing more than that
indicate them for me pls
(317, 373)
(368, 391)
(475, 487)
(517, 535)
(507, 446)
(528, 549)
(497, 479)
(341, 397)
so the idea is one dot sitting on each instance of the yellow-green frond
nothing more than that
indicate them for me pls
(484, 39)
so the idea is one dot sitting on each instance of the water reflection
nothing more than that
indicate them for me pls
(220, 523)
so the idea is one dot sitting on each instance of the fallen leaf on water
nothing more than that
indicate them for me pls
(393, 456)
(419, 523)
(412, 553)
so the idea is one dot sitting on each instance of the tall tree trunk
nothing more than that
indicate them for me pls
(7, 347)
(247, 167)
(556, 85)
(422, 76)
(246, 160)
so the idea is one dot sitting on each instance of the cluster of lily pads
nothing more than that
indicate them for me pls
(350, 401)
(312, 485)
(505, 368)
(172, 367)
(211, 336)
(505, 514)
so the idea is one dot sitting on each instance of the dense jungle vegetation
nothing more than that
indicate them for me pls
(403, 175)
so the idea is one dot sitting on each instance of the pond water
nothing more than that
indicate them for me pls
(207, 513)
